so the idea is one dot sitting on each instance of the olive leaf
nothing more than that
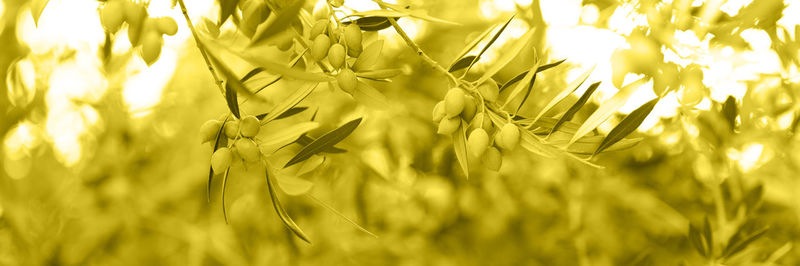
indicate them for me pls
(251, 73)
(398, 12)
(279, 77)
(520, 76)
(628, 125)
(292, 185)
(460, 147)
(379, 74)
(282, 212)
(258, 59)
(224, 189)
(527, 139)
(507, 56)
(366, 94)
(527, 81)
(575, 107)
(735, 245)
(471, 46)
(231, 99)
(279, 138)
(289, 102)
(231, 78)
(697, 240)
(325, 141)
(587, 145)
(292, 111)
(304, 140)
(37, 7)
(462, 63)
(226, 9)
(564, 93)
(708, 236)
(281, 22)
(359, 227)
(371, 23)
(607, 108)
(369, 57)
(730, 111)
(219, 141)
(489, 44)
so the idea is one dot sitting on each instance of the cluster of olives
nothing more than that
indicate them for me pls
(337, 44)
(460, 109)
(142, 29)
(241, 133)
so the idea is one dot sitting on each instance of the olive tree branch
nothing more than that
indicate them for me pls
(201, 47)
(421, 53)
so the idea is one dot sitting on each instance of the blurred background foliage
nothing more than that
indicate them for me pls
(101, 161)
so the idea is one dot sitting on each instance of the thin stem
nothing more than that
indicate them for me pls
(201, 48)
(421, 53)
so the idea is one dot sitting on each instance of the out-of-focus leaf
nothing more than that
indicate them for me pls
(258, 59)
(367, 95)
(628, 125)
(730, 111)
(371, 23)
(735, 246)
(37, 7)
(276, 139)
(460, 147)
(572, 87)
(607, 108)
(289, 102)
(276, 203)
(291, 64)
(232, 100)
(328, 140)
(281, 22)
(251, 74)
(507, 56)
(575, 107)
(462, 63)
(489, 44)
(219, 141)
(292, 111)
(226, 8)
(520, 76)
(697, 242)
(587, 145)
(471, 46)
(369, 57)
(292, 185)
(224, 189)
(708, 236)
(362, 229)
(379, 74)
(753, 197)
(230, 77)
(527, 81)
(304, 140)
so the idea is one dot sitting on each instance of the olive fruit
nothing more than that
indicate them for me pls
(508, 137)
(469, 108)
(151, 47)
(231, 129)
(489, 90)
(135, 13)
(347, 80)
(454, 102)
(221, 160)
(209, 130)
(249, 126)
(247, 149)
(493, 159)
(336, 55)
(353, 38)
(319, 48)
(167, 25)
(112, 15)
(481, 120)
(319, 28)
(438, 112)
(448, 125)
(477, 142)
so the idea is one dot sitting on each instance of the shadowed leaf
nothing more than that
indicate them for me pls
(305, 140)
(707, 235)
(520, 76)
(472, 45)
(460, 147)
(572, 87)
(737, 246)
(371, 23)
(282, 212)
(507, 56)
(489, 44)
(324, 142)
(289, 102)
(219, 141)
(232, 100)
(696, 239)
(292, 111)
(628, 125)
(224, 189)
(282, 21)
(575, 107)
(226, 8)
(462, 63)
(607, 108)
(730, 111)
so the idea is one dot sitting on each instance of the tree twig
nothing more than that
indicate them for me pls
(421, 53)
(201, 48)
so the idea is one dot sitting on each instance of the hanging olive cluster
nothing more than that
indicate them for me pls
(241, 133)
(142, 29)
(459, 108)
(337, 44)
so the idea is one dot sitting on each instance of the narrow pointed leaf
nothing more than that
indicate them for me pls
(462, 63)
(576, 107)
(527, 82)
(628, 125)
(292, 111)
(489, 44)
(379, 74)
(368, 95)
(304, 140)
(730, 111)
(232, 100)
(607, 109)
(520, 76)
(258, 59)
(279, 77)
(359, 227)
(708, 236)
(527, 140)
(369, 57)
(37, 7)
(507, 56)
(328, 140)
(696, 240)
(563, 94)
(226, 8)
(472, 45)
(276, 139)
(276, 203)
(737, 246)
(251, 74)
(371, 23)
(230, 77)
(282, 21)
(289, 102)
(293, 185)
(460, 147)
(224, 189)
(219, 141)
(587, 148)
